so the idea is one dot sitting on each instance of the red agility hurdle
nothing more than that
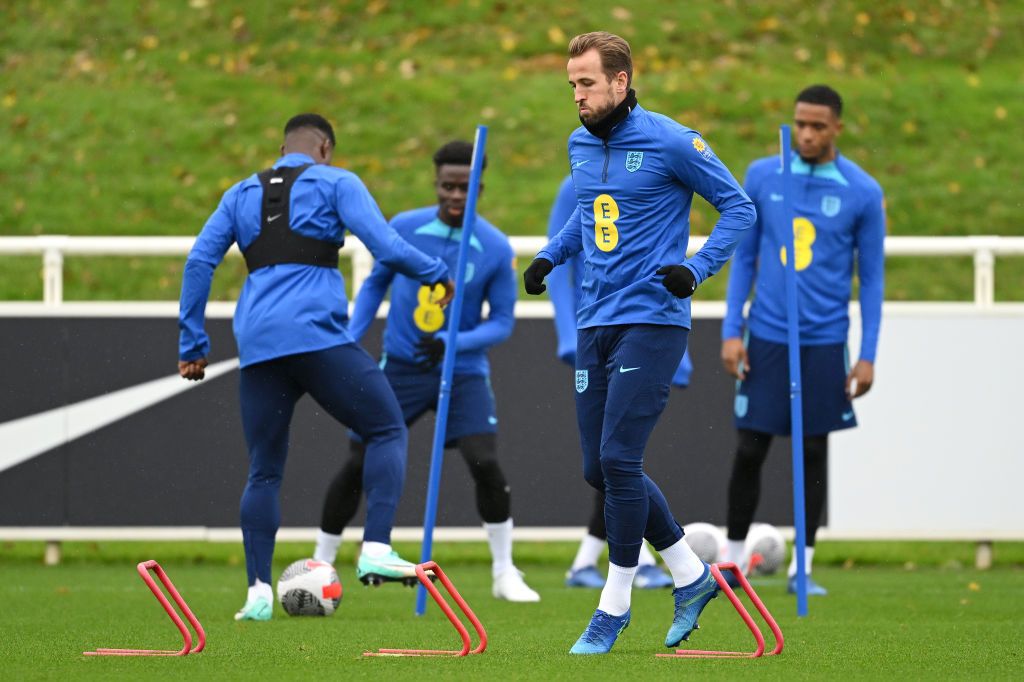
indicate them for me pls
(716, 570)
(187, 648)
(421, 573)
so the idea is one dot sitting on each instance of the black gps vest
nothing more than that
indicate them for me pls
(277, 243)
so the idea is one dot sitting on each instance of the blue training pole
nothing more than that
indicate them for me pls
(448, 365)
(795, 383)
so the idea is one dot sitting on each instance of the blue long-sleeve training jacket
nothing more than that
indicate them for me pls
(291, 308)
(490, 277)
(634, 192)
(839, 217)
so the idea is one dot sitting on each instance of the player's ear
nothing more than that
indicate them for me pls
(621, 81)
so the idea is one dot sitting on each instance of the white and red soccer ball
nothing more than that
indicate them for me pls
(309, 588)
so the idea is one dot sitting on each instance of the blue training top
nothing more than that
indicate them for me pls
(291, 308)
(490, 276)
(565, 285)
(634, 192)
(840, 212)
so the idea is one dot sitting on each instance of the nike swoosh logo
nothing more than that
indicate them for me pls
(577, 164)
(847, 416)
(27, 437)
(272, 218)
(775, 197)
(623, 370)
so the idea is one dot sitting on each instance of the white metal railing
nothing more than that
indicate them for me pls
(54, 248)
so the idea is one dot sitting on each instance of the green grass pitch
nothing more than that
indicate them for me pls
(896, 611)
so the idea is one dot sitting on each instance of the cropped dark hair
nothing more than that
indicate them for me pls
(315, 121)
(456, 153)
(824, 95)
(614, 52)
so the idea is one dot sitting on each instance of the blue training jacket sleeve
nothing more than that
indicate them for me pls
(697, 167)
(741, 274)
(567, 243)
(870, 242)
(368, 300)
(501, 296)
(207, 252)
(361, 215)
(562, 281)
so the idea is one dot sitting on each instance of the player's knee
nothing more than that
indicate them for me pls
(593, 474)
(489, 476)
(390, 434)
(615, 467)
(752, 448)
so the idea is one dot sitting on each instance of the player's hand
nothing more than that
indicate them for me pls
(533, 277)
(860, 378)
(429, 352)
(679, 280)
(734, 358)
(449, 291)
(193, 370)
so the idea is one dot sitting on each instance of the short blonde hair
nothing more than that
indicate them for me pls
(613, 50)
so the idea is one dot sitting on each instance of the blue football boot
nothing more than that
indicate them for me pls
(584, 577)
(690, 601)
(813, 588)
(601, 633)
(650, 577)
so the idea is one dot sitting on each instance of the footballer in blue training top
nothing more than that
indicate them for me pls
(635, 173)
(839, 221)
(565, 284)
(289, 222)
(414, 341)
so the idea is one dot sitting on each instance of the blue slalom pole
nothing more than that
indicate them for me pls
(795, 382)
(448, 365)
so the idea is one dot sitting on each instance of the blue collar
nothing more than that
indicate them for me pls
(827, 171)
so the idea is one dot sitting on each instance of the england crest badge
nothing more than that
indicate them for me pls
(582, 380)
(830, 205)
(633, 161)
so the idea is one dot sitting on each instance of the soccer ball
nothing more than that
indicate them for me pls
(309, 588)
(766, 548)
(707, 541)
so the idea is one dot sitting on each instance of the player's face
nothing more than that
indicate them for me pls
(594, 93)
(452, 186)
(816, 127)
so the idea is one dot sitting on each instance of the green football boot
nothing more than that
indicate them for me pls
(255, 609)
(387, 568)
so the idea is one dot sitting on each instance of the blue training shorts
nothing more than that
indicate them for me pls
(470, 411)
(762, 398)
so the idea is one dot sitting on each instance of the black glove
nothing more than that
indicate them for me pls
(679, 280)
(429, 352)
(534, 276)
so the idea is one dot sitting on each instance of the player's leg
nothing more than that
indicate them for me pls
(641, 367)
(744, 493)
(340, 504)
(345, 491)
(493, 501)
(815, 494)
(583, 572)
(591, 392)
(268, 395)
(473, 425)
(349, 385)
(826, 409)
(761, 410)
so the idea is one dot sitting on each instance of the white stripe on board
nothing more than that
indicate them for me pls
(26, 437)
